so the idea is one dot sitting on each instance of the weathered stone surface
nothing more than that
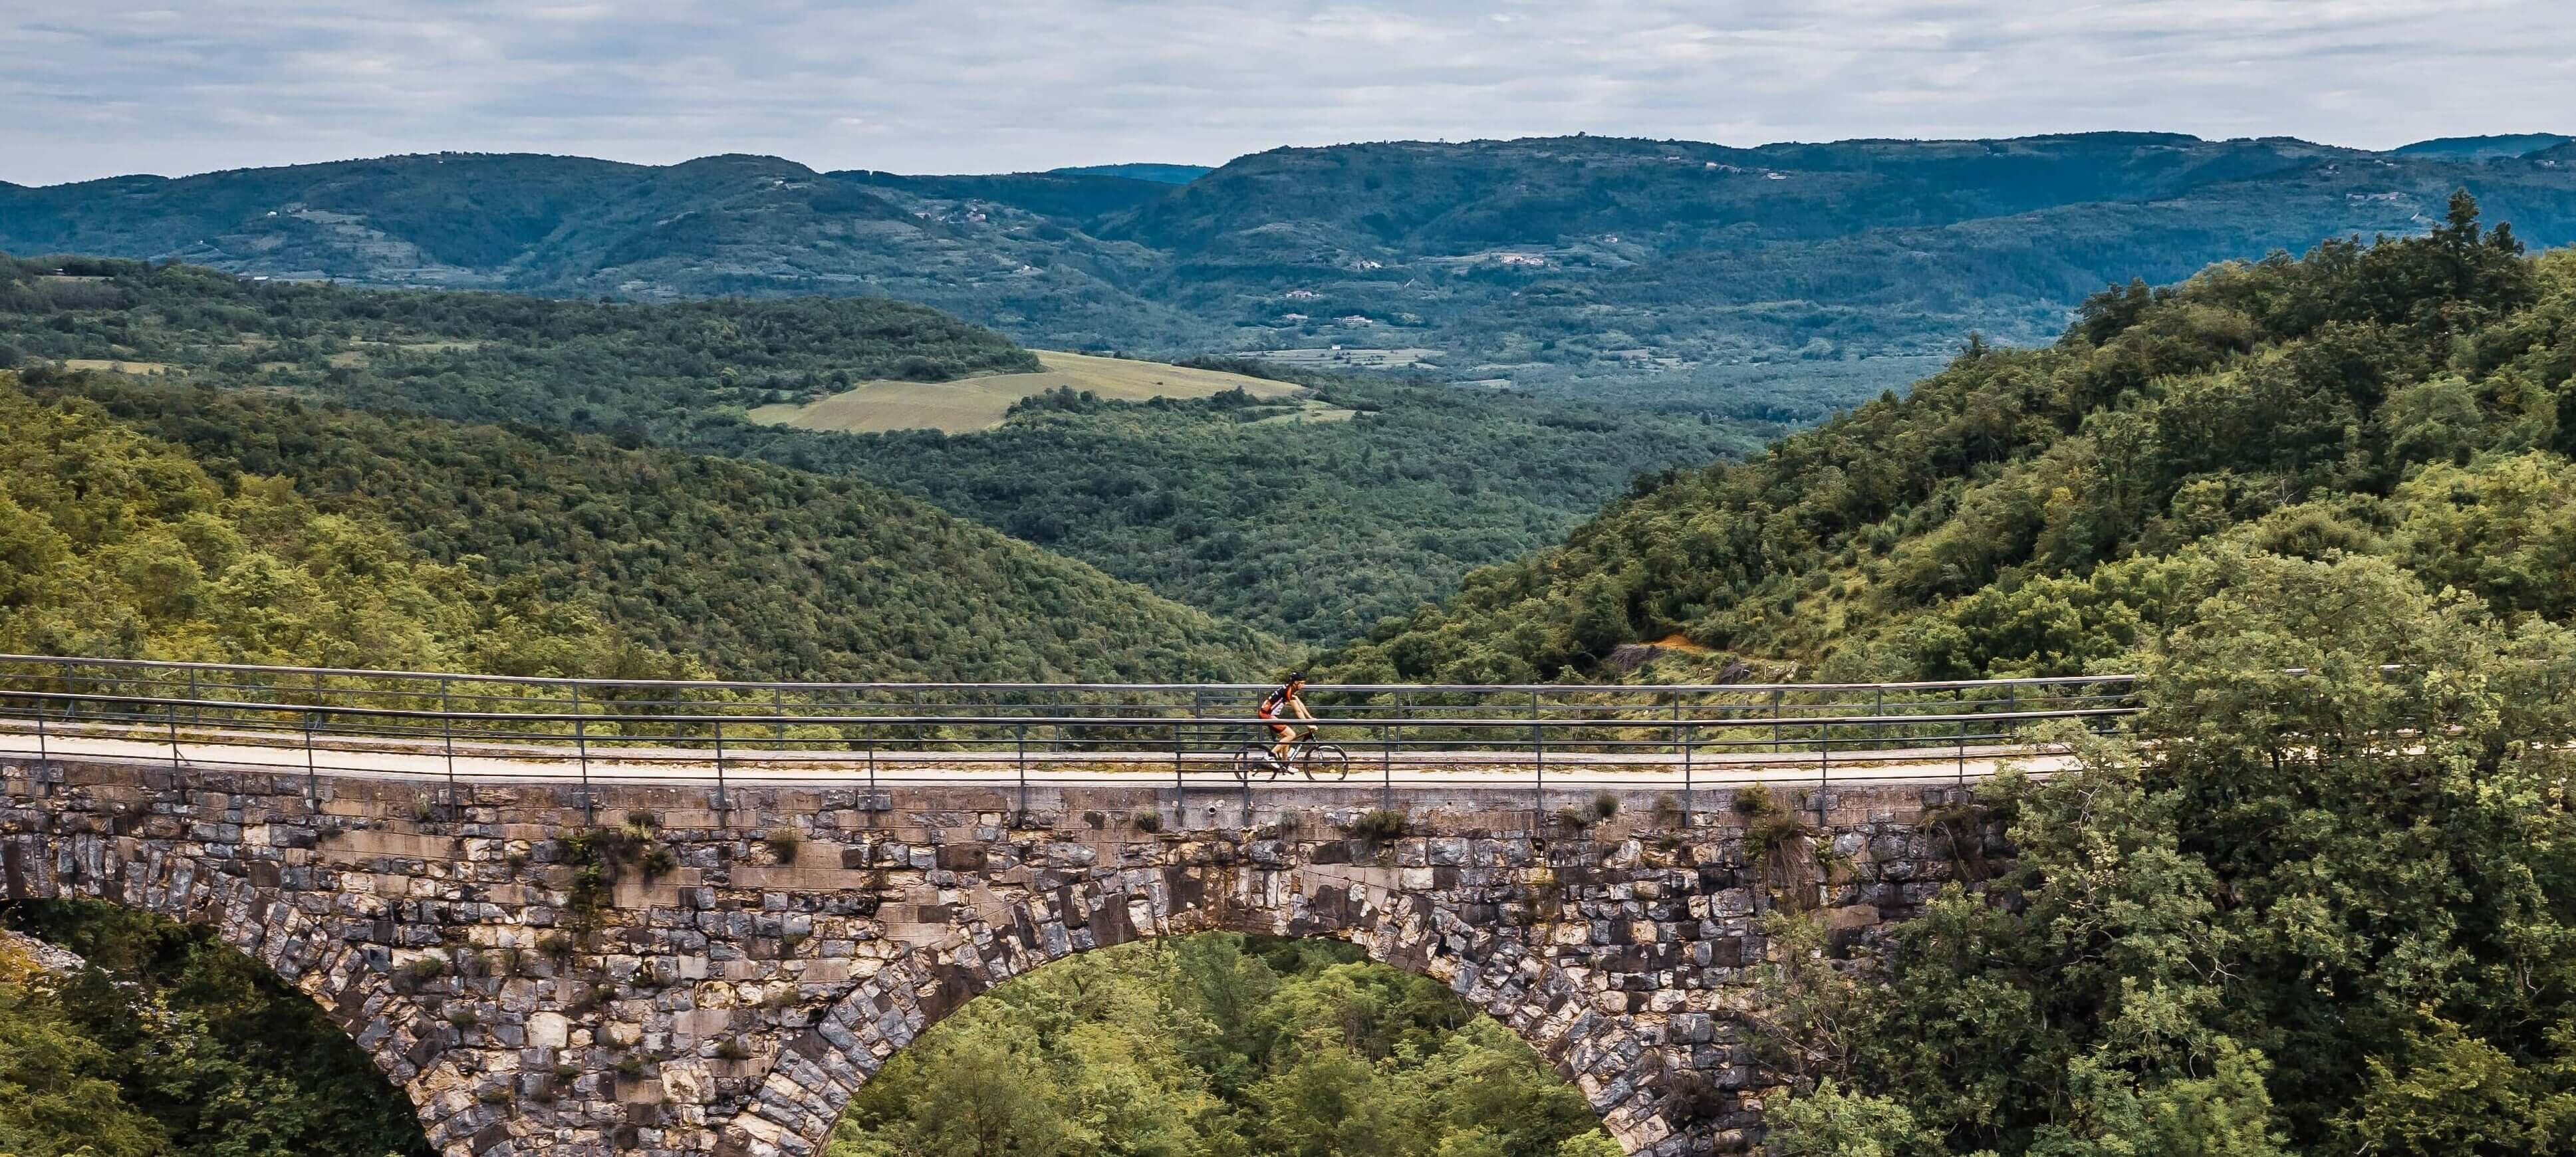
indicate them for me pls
(732, 1001)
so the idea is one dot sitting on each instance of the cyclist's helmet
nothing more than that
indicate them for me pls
(1296, 676)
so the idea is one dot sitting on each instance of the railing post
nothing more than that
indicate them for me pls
(1824, 768)
(312, 775)
(447, 732)
(196, 702)
(44, 750)
(1689, 815)
(581, 743)
(1775, 717)
(1403, 714)
(778, 707)
(1538, 746)
(1386, 768)
(170, 715)
(721, 805)
(1022, 738)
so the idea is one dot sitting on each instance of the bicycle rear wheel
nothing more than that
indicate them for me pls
(1250, 758)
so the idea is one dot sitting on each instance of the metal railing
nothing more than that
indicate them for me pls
(465, 727)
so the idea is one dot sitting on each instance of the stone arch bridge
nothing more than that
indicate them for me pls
(562, 966)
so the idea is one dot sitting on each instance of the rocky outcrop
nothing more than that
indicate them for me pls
(20, 952)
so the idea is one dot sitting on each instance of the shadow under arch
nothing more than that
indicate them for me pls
(1618, 1069)
(226, 1044)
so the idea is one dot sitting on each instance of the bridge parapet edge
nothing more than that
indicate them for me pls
(721, 980)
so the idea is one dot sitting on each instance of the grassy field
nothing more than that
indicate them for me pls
(978, 403)
(113, 365)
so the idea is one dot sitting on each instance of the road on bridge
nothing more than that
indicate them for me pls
(387, 759)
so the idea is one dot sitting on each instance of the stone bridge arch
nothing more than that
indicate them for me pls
(138, 857)
(727, 984)
(1620, 1069)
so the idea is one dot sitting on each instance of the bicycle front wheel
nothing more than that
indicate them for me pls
(1326, 761)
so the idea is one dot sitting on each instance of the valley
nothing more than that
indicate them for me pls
(1307, 506)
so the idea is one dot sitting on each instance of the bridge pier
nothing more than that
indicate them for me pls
(676, 980)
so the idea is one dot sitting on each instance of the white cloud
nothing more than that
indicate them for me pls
(936, 86)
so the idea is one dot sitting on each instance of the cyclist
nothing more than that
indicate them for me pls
(1283, 702)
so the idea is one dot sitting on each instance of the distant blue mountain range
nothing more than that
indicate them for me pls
(2480, 148)
(1166, 174)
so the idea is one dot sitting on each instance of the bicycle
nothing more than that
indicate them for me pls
(1305, 755)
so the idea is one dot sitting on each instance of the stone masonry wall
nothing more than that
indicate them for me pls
(723, 980)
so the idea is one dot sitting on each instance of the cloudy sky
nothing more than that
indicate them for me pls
(91, 88)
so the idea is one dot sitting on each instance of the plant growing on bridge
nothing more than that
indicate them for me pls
(1776, 839)
(601, 856)
(1379, 825)
(783, 842)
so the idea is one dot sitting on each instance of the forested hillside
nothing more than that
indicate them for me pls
(752, 570)
(115, 543)
(1219, 1044)
(2043, 511)
(1309, 529)
(1568, 263)
(167, 1042)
